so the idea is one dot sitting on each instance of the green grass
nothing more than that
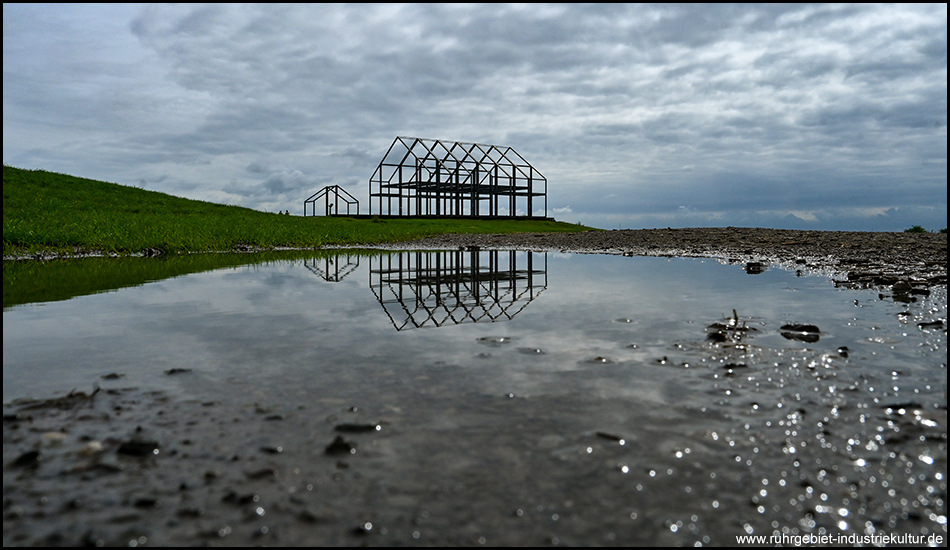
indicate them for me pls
(65, 278)
(45, 212)
(920, 229)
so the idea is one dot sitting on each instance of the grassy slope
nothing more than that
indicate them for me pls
(49, 212)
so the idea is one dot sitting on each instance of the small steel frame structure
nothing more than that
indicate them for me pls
(333, 195)
(449, 287)
(430, 177)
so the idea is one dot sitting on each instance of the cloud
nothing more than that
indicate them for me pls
(729, 109)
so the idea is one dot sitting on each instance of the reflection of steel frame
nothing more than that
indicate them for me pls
(334, 268)
(333, 195)
(458, 286)
(429, 177)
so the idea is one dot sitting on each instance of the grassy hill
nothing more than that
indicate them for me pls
(47, 212)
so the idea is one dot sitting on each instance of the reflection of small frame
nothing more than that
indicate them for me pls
(333, 268)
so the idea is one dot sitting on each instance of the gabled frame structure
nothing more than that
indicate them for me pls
(430, 177)
(332, 195)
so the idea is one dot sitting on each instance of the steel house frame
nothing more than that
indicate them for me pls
(333, 194)
(429, 177)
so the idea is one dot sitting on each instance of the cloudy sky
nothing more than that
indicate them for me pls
(789, 116)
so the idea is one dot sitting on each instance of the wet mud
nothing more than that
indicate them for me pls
(740, 440)
(859, 259)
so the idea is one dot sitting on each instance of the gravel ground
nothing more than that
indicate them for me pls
(861, 258)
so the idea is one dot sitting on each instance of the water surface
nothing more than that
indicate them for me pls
(537, 398)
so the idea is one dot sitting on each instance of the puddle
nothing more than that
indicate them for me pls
(470, 397)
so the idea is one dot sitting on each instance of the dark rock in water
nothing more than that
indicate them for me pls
(234, 498)
(174, 371)
(902, 287)
(755, 268)
(138, 447)
(905, 292)
(494, 340)
(30, 459)
(262, 473)
(363, 528)
(146, 502)
(358, 428)
(801, 328)
(806, 337)
(730, 329)
(800, 332)
(340, 446)
(612, 437)
(930, 325)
